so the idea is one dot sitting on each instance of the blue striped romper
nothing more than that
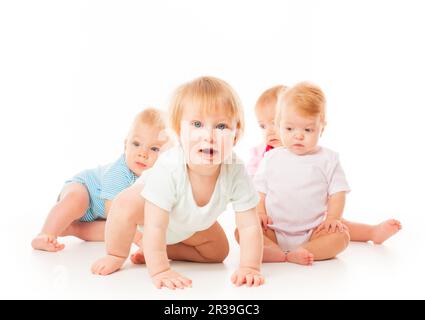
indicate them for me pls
(103, 183)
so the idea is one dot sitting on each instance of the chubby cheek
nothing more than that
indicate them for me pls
(313, 140)
(188, 145)
(227, 144)
(189, 138)
(152, 159)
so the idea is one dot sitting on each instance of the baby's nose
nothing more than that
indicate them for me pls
(299, 136)
(143, 153)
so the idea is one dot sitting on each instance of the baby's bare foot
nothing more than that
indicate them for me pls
(138, 257)
(300, 256)
(107, 265)
(47, 243)
(385, 230)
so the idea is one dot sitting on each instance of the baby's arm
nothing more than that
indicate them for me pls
(336, 203)
(251, 243)
(155, 249)
(262, 213)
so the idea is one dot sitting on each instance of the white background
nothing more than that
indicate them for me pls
(74, 73)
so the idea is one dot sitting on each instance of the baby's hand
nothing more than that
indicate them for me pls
(251, 277)
(265, 220)
(332, 225)
(171, 280)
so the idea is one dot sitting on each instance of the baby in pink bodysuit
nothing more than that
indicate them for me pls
(265, 109)
(265, 113)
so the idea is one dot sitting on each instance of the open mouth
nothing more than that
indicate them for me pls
(208, 151)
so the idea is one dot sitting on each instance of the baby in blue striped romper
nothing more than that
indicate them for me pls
(85, 200)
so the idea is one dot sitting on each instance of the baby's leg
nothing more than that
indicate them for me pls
(205, 246)
(125, 214)
(138, 257)
(300, 256)
(324, 245)
(210, 246)
(271, 250)
(273, 253)
(73, 203)
(88, 231)
(376, 233)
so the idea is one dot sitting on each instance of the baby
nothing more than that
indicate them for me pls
(178, 201)
(265, 110)
(85, 199)
(303, 183)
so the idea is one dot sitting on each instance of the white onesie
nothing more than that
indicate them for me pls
(297, 190)
(167, 185)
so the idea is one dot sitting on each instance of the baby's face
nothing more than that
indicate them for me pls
(265, 117)
(300, 134)
(142, 147)
(207, 139)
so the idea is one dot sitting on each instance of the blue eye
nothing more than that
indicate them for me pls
(221, 126)
(155, 149)
(197, 124)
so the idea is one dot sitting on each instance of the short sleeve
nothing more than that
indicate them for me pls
(243, 195)
(336, 178)
(260, 182)
(115, 180)
(159, 186)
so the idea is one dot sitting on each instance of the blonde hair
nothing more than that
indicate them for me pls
(210, 94)
(270, 96)
(152, 117)
(307, 98)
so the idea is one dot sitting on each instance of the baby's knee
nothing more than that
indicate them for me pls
(127, 204)
(78, 197)
(221, 254)
(224, 251)
(343, 238)
(122, 198)
(220, 251)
